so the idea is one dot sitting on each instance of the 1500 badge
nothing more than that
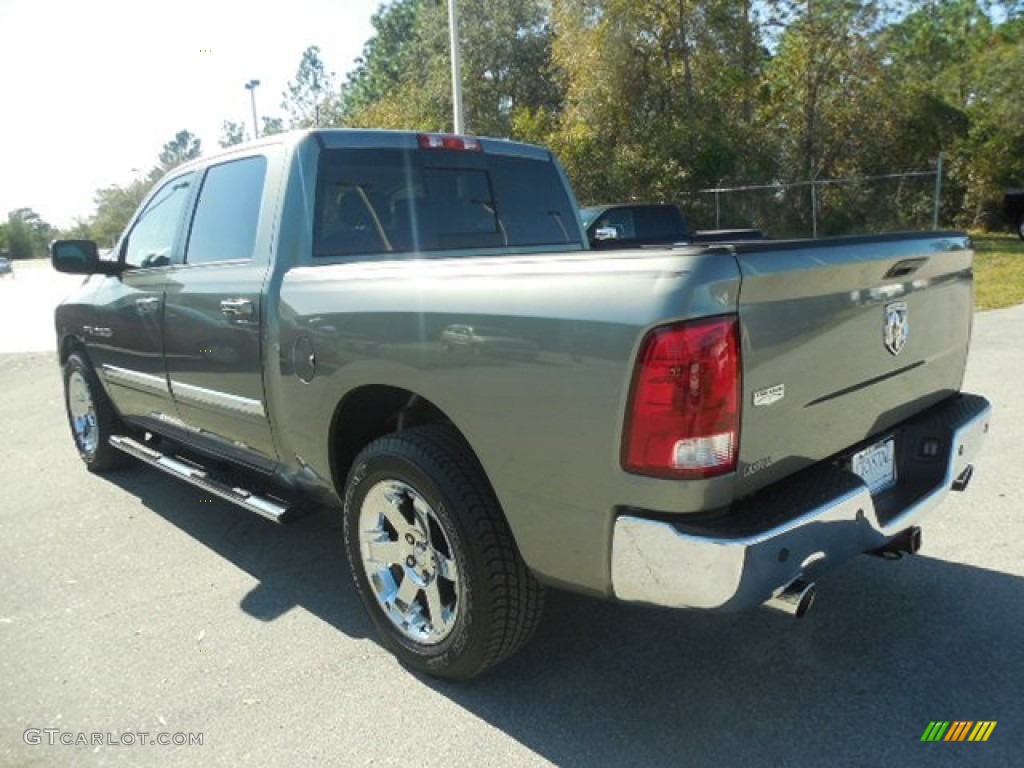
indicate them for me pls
(96, 330)
(757, 466)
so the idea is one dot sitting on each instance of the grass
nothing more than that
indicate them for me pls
(998, 271)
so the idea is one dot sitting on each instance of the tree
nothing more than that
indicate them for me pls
(232, 133)
(183, 147)
(403, 79)
(271, 125)
(81, 229)
(310, 99)
(659, 95)
(962, 72)
(114, 208)
(28, 236)
(378, 72)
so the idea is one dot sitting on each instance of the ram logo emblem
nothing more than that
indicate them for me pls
(897, 327)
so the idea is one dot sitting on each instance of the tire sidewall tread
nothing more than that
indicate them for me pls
(106, 456)
(500, 601)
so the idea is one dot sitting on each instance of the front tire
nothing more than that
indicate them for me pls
(432, 556)
(91, 416)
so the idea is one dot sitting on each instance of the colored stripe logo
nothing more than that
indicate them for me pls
(958, 730)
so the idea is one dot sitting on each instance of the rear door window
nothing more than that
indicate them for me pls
(227, 212)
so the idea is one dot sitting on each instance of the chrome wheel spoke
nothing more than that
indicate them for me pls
(440, 617)
(447, 568)
(408, 591)
(393, 515)
(379, 548)
(403, 544)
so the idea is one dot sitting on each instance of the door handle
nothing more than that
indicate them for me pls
(238, 309)
(148, 304)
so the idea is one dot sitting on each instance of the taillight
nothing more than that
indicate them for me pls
(449, 141)
(683, 416)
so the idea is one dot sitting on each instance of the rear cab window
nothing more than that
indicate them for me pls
(395, 201)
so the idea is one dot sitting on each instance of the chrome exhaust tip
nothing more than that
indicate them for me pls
(795, 599)
(906, 542)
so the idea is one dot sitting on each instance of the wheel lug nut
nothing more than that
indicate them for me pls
(410, 561)
(409, 539)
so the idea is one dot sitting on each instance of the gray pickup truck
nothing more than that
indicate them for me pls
(411, 328)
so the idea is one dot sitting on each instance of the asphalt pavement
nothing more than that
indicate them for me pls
(133, 604)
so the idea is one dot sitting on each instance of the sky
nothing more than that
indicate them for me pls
(92, 89)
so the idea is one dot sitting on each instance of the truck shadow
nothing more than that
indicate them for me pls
(298, 564)
(888, 648)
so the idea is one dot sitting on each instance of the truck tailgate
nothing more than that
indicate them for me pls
(844, 338)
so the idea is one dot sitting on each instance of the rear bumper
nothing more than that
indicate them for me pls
(799, 527)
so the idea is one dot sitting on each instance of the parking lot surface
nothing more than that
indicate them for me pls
(133, 604)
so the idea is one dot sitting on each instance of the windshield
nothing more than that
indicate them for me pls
(394, 201)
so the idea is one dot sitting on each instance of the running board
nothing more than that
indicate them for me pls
(271, 509)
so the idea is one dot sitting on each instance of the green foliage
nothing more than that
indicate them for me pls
(271, 125)
(26, 235)
(657, 99)
(385, 57)
(81, 229)
(660, 96)
(183, 147)
(403, 79)
(310, 99)
(232, 133)
(998, 271)
(114, 208)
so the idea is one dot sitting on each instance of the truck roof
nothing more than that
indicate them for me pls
(360, 138)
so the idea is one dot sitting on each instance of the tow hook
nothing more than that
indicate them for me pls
(960, 484)
(906, 542)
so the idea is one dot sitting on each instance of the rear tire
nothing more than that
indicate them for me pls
(432, 556)
(91, 416)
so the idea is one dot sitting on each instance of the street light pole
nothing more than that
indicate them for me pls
(453, 26)
(251, 88)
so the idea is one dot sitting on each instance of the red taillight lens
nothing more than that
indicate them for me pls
(449, 141)
(683, 418)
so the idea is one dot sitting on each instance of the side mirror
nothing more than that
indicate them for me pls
(603, 237)
(80, 257)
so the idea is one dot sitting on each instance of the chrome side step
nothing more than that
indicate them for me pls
(272, 509)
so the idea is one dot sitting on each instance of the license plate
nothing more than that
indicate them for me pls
(876, 465)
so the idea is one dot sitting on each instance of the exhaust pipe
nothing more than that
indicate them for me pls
(795, 599)
(907, 542)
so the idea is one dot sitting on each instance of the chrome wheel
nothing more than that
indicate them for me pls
(82, 413)
(409, 562)
(432, 555)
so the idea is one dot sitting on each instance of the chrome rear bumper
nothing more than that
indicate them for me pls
(799, 527)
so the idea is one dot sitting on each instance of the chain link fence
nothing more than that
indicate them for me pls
(825, 207)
